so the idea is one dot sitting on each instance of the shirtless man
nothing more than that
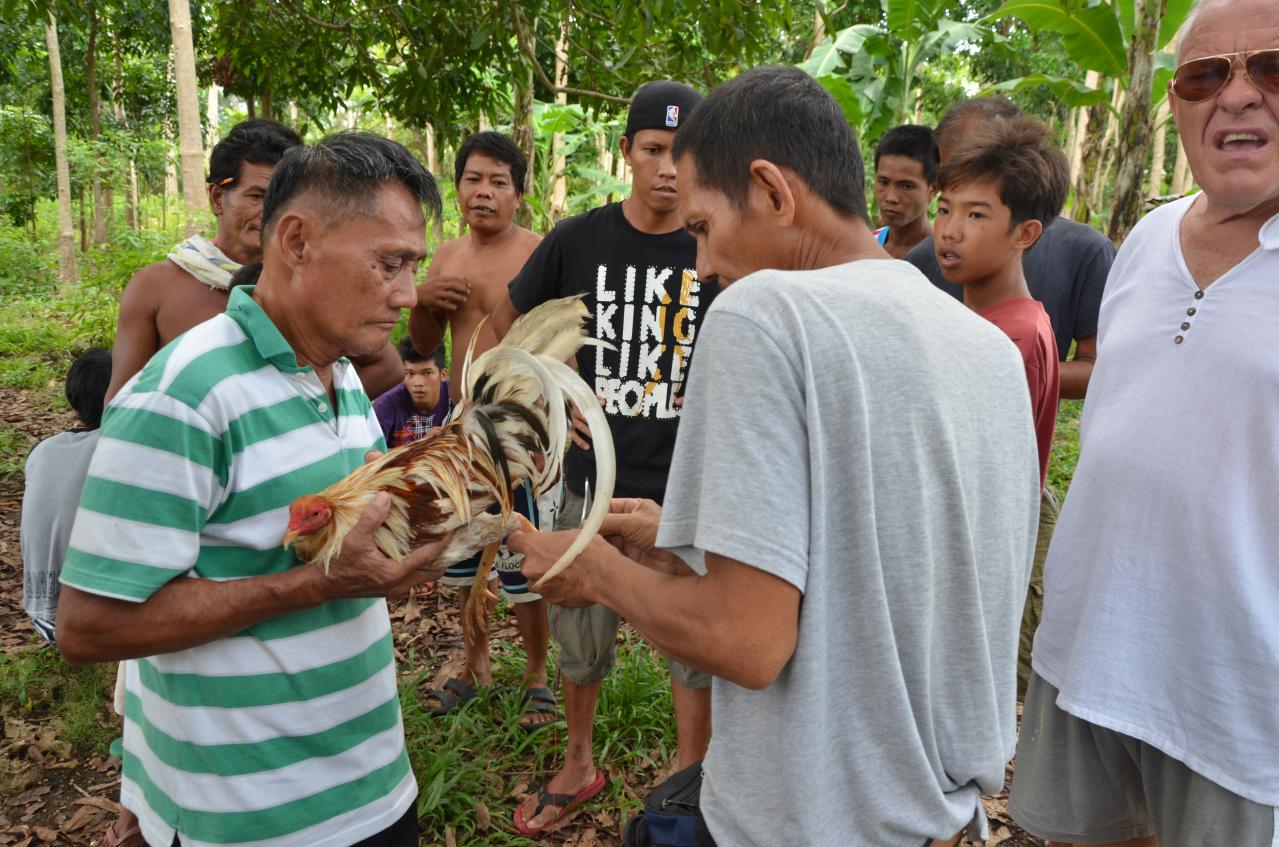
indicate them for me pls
(466, 281)
(191, 285)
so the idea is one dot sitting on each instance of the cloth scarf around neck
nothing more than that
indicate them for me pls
(201, 258)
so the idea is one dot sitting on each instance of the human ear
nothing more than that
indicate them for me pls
(215, 199)
(1026, 233)
(775, 189)
(290, 236)
(624, 144)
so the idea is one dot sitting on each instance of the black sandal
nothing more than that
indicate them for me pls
(538, 701)
(451, 696)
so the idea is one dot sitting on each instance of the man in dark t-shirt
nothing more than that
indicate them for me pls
(1066, 270)
(636, 266)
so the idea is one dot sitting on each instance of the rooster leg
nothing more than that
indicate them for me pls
(525, 525)
(475, 615)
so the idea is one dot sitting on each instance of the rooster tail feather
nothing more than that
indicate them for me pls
(605, 461)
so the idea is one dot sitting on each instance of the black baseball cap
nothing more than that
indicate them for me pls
(665, 104)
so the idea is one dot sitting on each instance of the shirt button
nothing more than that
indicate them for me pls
(1178, 340)
(1185, 325)
(1191, 311)
(322, 407)
(1199, 295)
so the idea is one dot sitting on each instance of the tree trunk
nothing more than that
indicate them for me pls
(604, 157)
(95, 126)
(559, 190)
(211, 117)
(1090, 150)
(432, 156)
(1106, 162)
(1158, 167)
(523, 134)
(293, 114)
(117, 101)
(268, 103)
(170, 169)
(66, 229)
(189, 147)
(1182, 179)
(819, 34)
(250, 105)
(1134, 138)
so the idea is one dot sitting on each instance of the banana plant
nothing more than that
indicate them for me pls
(871, 69)
(1096, 36)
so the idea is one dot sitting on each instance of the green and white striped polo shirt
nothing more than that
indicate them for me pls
(288, 733)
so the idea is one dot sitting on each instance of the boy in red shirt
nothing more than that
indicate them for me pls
(998, 193)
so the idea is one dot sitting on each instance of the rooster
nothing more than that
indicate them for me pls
(510, 425)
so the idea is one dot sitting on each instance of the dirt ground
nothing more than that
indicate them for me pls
(48, 795)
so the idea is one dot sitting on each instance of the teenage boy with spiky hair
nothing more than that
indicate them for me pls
(998, 193)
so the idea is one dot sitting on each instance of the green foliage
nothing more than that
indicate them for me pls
(1065, 451)
(479, 754)
(872, 68)
(35, 682)
(14, 446)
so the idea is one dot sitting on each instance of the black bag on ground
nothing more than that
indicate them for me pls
(672, 816)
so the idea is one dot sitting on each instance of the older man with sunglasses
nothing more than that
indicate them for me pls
(1153, 714)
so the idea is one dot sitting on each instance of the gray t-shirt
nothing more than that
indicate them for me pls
(1066, 271)
(55, 473)
(864, 437)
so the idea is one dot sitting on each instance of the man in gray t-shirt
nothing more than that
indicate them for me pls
(857, 558)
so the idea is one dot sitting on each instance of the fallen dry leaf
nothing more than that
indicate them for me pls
(450, 840)
(482, 818)
(48, 836)
(98, 803)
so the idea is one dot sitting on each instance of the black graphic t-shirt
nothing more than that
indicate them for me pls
(646, 300)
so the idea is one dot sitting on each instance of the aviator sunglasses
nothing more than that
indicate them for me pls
(1200, 79)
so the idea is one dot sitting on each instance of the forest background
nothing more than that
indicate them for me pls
(108, 110)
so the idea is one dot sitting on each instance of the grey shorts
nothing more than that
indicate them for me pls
(1076, 781)
(588, 636)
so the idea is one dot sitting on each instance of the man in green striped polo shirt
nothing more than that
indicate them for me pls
(262, 708)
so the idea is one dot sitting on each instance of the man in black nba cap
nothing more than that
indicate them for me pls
(636, 265)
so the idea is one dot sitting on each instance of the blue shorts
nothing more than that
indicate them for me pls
(506, 565)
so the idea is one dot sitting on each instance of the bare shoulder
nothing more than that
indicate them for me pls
(446, 254)
(528, 238)
(151, 281)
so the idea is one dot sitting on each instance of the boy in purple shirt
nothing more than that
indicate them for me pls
(419, 405)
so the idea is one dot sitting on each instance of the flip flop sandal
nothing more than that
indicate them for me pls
(566, 803)
(113, 837)
(451, 696)
(537, 701)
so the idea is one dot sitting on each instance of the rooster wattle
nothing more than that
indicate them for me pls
(510, 425)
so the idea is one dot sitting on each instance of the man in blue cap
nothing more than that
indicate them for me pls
(636, 265)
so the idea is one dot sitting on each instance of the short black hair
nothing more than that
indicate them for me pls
(780, 114)
(257, 141)
(246, 275)
(409, 353)
(87, 382)
(1018, 155)
(344, 168)
(993, 107)
(914, 142)
(499, 148)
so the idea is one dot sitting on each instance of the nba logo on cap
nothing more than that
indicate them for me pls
(672, 115)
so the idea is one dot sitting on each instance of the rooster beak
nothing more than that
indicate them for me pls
(290, 537)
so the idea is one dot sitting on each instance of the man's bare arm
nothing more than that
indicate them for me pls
(1076, 373)
(503, 316)
(136, 336)
(379, 372)
(186, 612)
(439, 295)
(736, 622)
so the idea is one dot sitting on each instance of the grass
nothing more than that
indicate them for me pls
(14, 445)
(1065, 452)
(479, 755)
(35, 682)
